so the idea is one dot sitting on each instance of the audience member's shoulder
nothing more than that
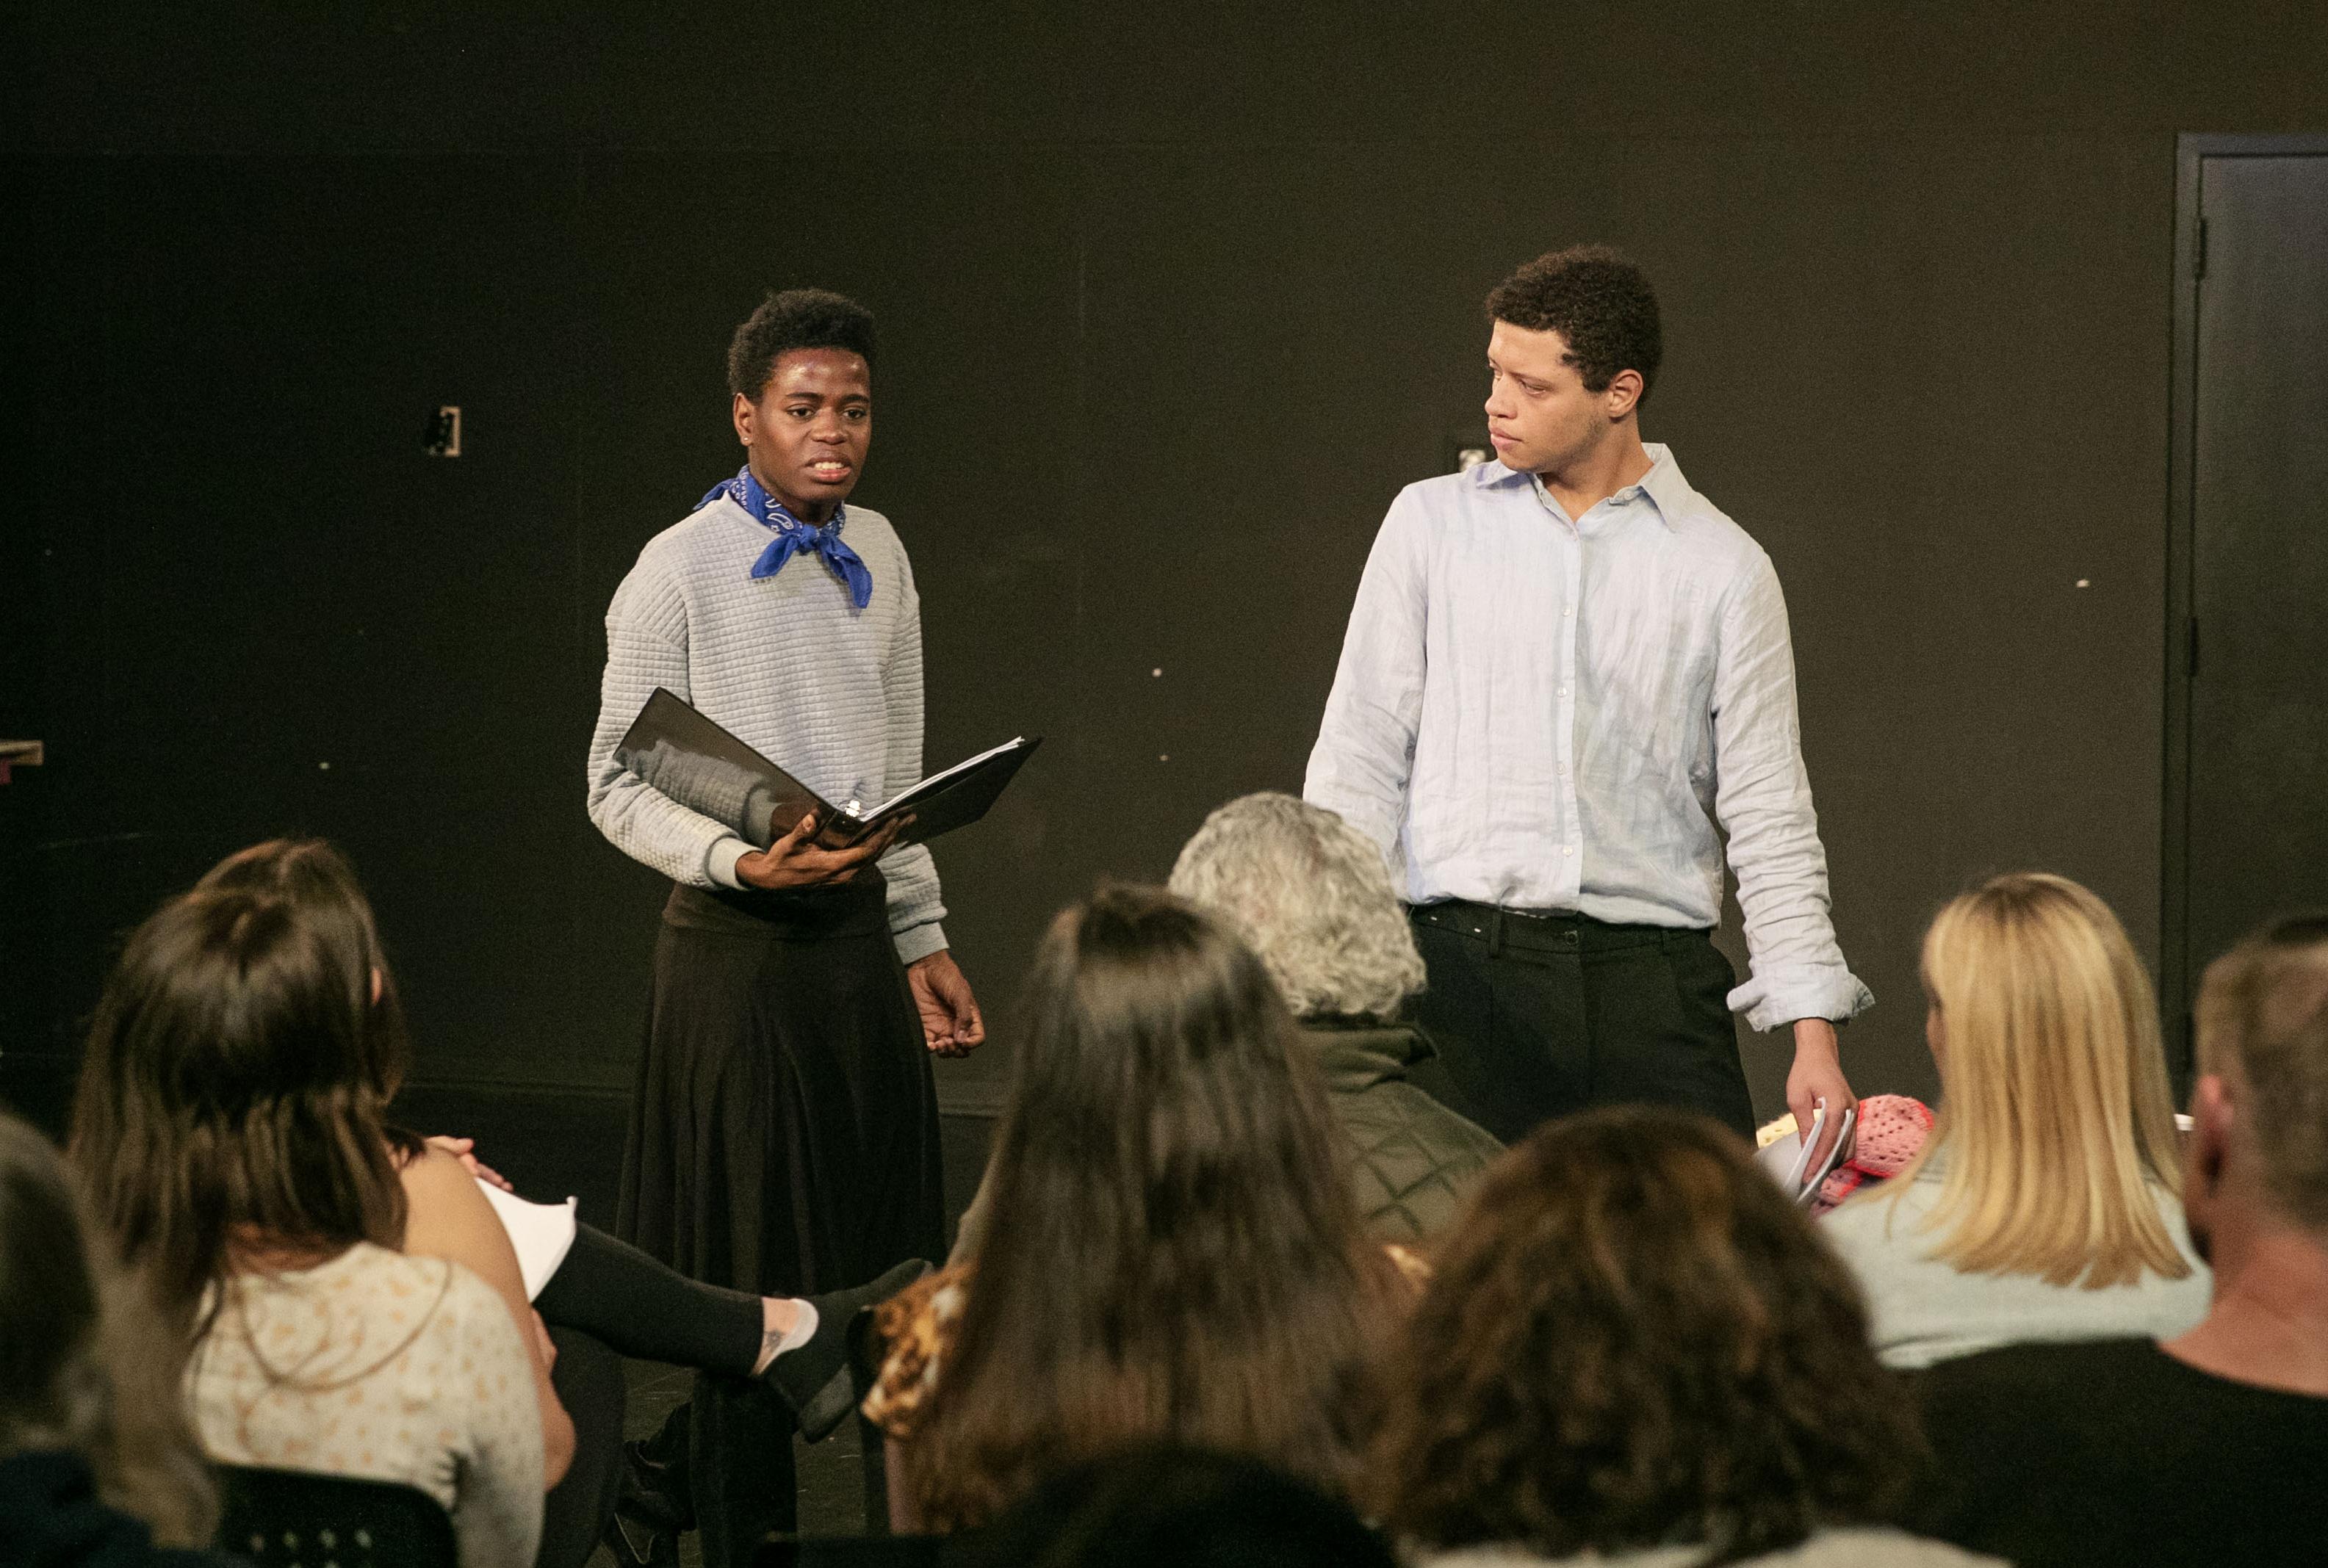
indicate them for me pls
(1871, 1546)
(2038, 1383)
(2107, 1367)
(1875, 1547)
(456, 1300)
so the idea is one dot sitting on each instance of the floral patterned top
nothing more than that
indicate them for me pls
(385, 1368)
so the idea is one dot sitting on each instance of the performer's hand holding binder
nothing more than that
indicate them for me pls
(688, 757)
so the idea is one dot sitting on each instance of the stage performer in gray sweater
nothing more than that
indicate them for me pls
(784, 1137)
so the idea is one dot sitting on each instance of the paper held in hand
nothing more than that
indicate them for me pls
(685, 755)
(1788, 1157)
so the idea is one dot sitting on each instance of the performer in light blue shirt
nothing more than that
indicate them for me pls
(1567, 674)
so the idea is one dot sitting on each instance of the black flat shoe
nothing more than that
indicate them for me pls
(651, 1508)
(814, 1379)
(634, 1543)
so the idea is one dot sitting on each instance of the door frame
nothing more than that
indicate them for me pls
(2176, 980)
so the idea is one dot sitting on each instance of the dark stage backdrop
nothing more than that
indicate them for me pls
(1170, 309)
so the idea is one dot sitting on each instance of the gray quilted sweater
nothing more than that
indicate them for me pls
(1409, 1160)
(831, 692)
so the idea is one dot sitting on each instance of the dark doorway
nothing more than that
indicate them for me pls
(2246, 777)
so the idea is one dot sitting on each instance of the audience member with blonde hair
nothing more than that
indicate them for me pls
(2210, 1448)
(96, 1460)
(1636, 1351)
(2044, 1205)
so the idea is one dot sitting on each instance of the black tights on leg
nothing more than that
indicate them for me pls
(617, 1294)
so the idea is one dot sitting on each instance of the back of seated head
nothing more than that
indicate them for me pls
(1314, 898)
(2263, 1030)
(231, 1092)
(83, 1370)
(1164, 1505)
(1632, 1338)
(2056, 1129)
(1181, 1257)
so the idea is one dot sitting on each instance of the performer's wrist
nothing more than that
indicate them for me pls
(720, 861)
(1817, 1034)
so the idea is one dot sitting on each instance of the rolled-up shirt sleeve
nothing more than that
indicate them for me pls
(1365, 756)
(1763, 799)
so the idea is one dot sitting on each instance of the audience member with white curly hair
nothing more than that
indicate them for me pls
(1313, 898)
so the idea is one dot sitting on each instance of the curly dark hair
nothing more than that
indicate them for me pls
(794, 318)
(1597, 299)
(1633, 1339)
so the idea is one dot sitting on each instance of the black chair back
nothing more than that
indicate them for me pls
(298, 1517)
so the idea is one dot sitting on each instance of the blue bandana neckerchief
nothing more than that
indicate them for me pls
(793, 536)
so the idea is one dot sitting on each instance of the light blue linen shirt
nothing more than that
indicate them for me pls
(1552, 713)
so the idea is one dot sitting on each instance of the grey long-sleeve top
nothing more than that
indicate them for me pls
(832, 693)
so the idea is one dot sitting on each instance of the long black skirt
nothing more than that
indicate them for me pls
(785, 1136)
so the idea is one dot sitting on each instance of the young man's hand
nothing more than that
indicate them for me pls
(795, 861)
(1817, 1075)
(951, 1025)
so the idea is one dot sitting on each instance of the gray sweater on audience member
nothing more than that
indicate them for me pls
(1921, 1310)
(829, 692)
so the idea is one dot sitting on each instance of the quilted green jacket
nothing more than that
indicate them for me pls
(1409, 1160)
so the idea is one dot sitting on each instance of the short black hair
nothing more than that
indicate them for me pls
(1597, 299)
(795, 318)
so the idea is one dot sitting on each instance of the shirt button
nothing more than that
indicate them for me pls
(1569, 610)
(1563, 691)
(1568, 848)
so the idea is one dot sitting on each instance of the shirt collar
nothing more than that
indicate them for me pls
(1663, 484)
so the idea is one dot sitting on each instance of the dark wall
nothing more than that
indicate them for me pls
(1171, 306)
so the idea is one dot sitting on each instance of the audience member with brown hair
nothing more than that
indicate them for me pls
(229, 1128)
(96, 1462)
(2212, 1446)
(2043, 1204)
(594, 1292)
(1636, 1350)
(1175, 1254)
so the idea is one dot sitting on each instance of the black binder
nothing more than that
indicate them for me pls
(686, 756)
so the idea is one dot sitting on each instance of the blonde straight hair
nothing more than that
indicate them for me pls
(2055, 1114)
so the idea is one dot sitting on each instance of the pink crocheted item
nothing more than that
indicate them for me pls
(1892, 1130)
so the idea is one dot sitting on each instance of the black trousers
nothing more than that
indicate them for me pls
(1538, 1016)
